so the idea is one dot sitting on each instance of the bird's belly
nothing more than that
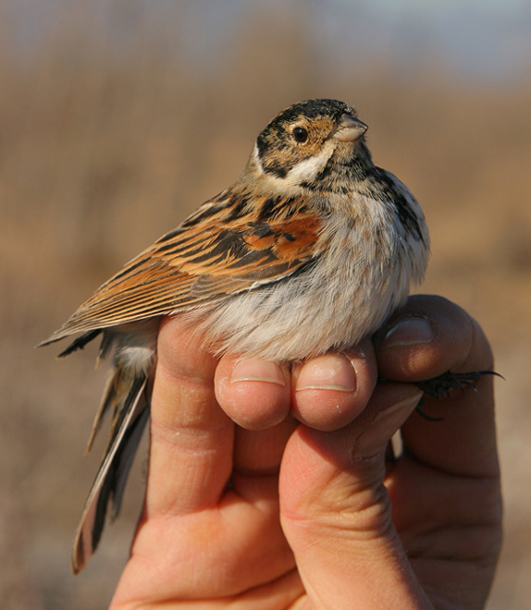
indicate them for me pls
(303, 317)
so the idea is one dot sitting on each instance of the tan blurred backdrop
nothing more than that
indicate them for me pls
(105, 144)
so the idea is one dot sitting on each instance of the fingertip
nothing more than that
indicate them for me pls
(329, 391)
(253, 392)
(429, 336)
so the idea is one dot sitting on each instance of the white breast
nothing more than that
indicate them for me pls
(354, 285)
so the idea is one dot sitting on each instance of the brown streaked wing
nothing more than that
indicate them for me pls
(200, 262)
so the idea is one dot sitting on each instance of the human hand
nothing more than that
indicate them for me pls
(320, 514)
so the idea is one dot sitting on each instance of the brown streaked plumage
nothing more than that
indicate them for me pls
(203, 261)
(310, 250)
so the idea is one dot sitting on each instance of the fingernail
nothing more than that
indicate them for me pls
(255, 369)
(330, 372)
(409, 331)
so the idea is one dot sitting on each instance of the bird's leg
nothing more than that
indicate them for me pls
(440, 386)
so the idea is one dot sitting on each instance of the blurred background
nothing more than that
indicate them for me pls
(118, 117)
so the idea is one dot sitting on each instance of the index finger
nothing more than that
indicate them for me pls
(191, 437)
(427, 337)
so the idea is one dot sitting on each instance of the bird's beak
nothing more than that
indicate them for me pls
(350, 129)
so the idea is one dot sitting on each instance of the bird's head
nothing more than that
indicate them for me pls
(312, 144)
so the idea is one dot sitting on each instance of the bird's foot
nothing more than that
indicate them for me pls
(440, 386)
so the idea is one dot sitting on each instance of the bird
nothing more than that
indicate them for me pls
(310, 250)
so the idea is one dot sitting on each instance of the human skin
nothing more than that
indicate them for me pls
(320, 512)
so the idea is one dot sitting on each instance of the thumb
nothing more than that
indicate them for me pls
(336, 514)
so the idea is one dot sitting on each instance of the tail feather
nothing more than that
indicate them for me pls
(106, 400)
(110, 480)
(134, 352)
(114, 399)
(131, 440)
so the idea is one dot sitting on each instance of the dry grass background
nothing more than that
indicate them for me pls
(102, 152)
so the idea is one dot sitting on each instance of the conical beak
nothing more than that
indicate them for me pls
(350, 129)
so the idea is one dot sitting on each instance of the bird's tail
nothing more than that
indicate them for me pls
(127, 397)
(127, 394)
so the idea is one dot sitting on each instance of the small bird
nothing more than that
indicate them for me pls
(310, 250)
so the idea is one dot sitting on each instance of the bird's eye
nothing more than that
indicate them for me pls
(300, 134)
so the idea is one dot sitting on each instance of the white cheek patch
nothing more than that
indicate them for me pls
(307, 170)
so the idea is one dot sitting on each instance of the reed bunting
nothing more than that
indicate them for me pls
(310, 250)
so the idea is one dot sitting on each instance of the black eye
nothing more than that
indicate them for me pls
(300, 134)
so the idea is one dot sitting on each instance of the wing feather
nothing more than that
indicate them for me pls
(211, 255)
